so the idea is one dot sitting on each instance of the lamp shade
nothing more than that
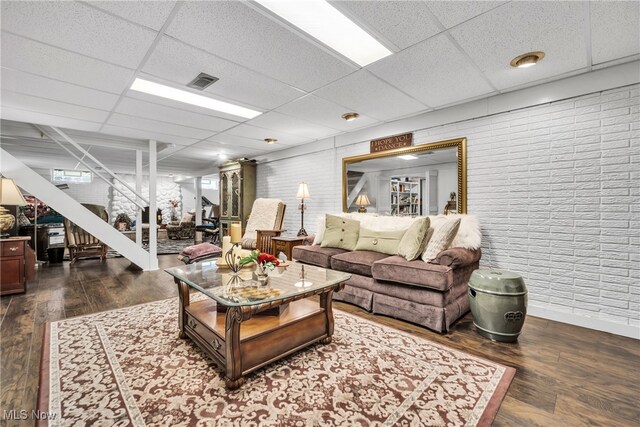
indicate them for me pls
(303, 191)
(362, 200)
(10, 193)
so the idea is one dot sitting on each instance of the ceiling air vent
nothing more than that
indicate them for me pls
(202, 81)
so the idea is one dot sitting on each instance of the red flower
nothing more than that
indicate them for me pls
(266, 258)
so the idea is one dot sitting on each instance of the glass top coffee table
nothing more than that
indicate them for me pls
(243, 325)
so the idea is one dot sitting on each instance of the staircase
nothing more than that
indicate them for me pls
(355, 183)
(44, 190)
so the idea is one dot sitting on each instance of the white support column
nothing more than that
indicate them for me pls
(197, 185)
(139, 191)
(153, 224)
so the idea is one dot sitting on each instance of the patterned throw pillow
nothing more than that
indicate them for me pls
(443, 234)
(340, 233)
(414, 240)
(385, 242)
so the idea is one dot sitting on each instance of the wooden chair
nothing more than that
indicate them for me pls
(82, 244)
(265, 222)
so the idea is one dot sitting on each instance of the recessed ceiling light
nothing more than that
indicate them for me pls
(222, 156)
(527, 59)
(324, 22)
(408, 157)
(270, 140)
(163, 91)
(350, 116)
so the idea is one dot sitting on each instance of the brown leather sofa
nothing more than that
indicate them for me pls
(433, 295)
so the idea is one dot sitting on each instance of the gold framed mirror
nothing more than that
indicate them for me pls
(417, 180)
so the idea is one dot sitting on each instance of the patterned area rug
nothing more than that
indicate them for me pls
(165, 247)
(128, 367)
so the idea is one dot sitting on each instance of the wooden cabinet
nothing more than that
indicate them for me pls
(14, 268)
(237, 193)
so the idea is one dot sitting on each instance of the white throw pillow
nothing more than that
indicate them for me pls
(444, 231)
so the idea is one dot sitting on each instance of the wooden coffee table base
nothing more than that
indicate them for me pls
(241, 343)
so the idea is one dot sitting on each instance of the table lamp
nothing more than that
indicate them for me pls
(362, 201)
(303, 193)
(9, 195)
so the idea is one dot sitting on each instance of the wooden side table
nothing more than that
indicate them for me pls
(286, 244)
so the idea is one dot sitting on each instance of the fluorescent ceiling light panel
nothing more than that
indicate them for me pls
(168, 92)
(324, 22)
(408, 157)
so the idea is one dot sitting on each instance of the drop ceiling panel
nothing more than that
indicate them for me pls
(226, 141)
(259, 134)
(80, 28)
(615, 30)
(9, 113)
(364, 93)
(292, 125)
(146, 134)
(158, 126)
(41, 105)
(451, 13)
(403, 23)
(137, 108)
(43, 87)
(421, 72)
(139, 11)
(323, 112)
(37, 58)
(181, 63)
(494, 39)
(237, 32)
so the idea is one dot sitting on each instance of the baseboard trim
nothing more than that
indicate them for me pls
(585, 322)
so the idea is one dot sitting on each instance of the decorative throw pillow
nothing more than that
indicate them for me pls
(414, 240)
(385, 242)
(340, 233)
(443, 234)
(187, 217)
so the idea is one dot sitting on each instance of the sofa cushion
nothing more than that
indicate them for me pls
(417, 273)
(316, 255)
(443, 234)
(340, 233)
(356, 262)
(414, 240)
(385, 242)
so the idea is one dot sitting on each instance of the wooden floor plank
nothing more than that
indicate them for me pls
(566, 375)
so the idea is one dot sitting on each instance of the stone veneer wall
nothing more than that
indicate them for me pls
(166, 190)
(555, 187)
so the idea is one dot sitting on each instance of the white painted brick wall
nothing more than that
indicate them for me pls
(556, 188)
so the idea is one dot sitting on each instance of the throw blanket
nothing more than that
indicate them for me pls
(263, 217)
(199, 250)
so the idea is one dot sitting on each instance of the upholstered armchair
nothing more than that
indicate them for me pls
(185, 229)
(82, 244)
(265, 222)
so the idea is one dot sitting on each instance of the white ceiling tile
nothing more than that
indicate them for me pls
(421, 72)
(366, 94)
(158, 126)
(234, 142)
(9, 113)
(180, 63)
(403, 23)
(292, 125)
(37, 58)
(236, 32)
(494, 39)
(152, 14)
(146, 134)
(451, 13)
(30, 84)
(137, 108)
(615, 30)
(325, 113)
(79, 28)
(40, 105)
(259, 134)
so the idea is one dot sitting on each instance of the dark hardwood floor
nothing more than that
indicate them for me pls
(566, 375)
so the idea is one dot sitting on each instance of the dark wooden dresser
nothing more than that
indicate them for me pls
(17, 264)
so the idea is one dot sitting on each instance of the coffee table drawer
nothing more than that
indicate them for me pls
(206, 335)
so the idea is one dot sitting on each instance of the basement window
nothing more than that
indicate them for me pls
(71, 176)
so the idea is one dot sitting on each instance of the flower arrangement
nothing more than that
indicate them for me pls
(173, 203)
(264, 261)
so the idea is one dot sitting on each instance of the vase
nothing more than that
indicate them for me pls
(261, 275)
